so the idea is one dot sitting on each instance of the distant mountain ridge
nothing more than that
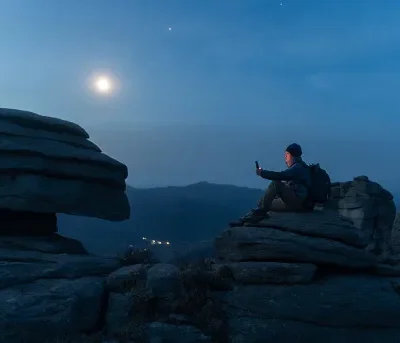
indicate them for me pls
(183, 214)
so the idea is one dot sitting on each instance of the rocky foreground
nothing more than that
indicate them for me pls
(296, 277)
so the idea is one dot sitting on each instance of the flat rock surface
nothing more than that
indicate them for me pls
(11, 129)
(267, 244)
(35, 121)
(325, 224)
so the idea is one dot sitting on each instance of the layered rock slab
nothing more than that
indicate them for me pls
(43, 194)
(322, 224)
(35, 121)
(296, 237)
(49, 286)
(48, 165)
(369, 206)
(339, 308)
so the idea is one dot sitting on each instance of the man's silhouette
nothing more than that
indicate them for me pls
(288, 190)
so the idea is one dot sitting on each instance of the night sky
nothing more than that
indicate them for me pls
(200, 89)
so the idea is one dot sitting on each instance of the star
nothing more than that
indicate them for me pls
(170, 29)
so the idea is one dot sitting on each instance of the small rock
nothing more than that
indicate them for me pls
(164, 279)
(128, 278)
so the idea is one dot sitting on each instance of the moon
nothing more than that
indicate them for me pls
(103, 85)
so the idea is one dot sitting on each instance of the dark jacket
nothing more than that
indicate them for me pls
(297, 177)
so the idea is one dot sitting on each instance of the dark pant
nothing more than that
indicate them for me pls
(280, 198)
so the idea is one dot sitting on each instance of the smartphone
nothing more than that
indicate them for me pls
(257, 165)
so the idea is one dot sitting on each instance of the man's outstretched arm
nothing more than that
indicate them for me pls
(286, 175)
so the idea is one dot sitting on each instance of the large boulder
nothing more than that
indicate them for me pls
(320, 237)
(371, 209)
(48, 165)
(50, 286)
(336, 308)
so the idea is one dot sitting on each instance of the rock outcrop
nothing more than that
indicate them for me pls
(50, 287)
(48, 166)
(321, 237)
(303, 276)
(371, 209)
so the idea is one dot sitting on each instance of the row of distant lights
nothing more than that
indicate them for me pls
(154, 242)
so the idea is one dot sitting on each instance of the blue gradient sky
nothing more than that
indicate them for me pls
(233, 81)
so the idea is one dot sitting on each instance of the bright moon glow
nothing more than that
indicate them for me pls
(103, 85)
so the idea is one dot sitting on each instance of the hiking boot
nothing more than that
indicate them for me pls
(256, 219)
(250, 216)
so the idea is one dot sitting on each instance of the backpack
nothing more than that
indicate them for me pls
(320, 189)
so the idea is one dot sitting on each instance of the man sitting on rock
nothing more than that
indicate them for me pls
(288, 190)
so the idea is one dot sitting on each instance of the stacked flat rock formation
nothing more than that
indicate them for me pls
(303, 276)
(48, 166)
(319, 237)
(50, 286)
(371, 209)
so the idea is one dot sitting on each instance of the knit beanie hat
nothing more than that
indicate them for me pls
(294, 150)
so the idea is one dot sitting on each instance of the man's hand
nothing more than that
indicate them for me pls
(258, 171)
